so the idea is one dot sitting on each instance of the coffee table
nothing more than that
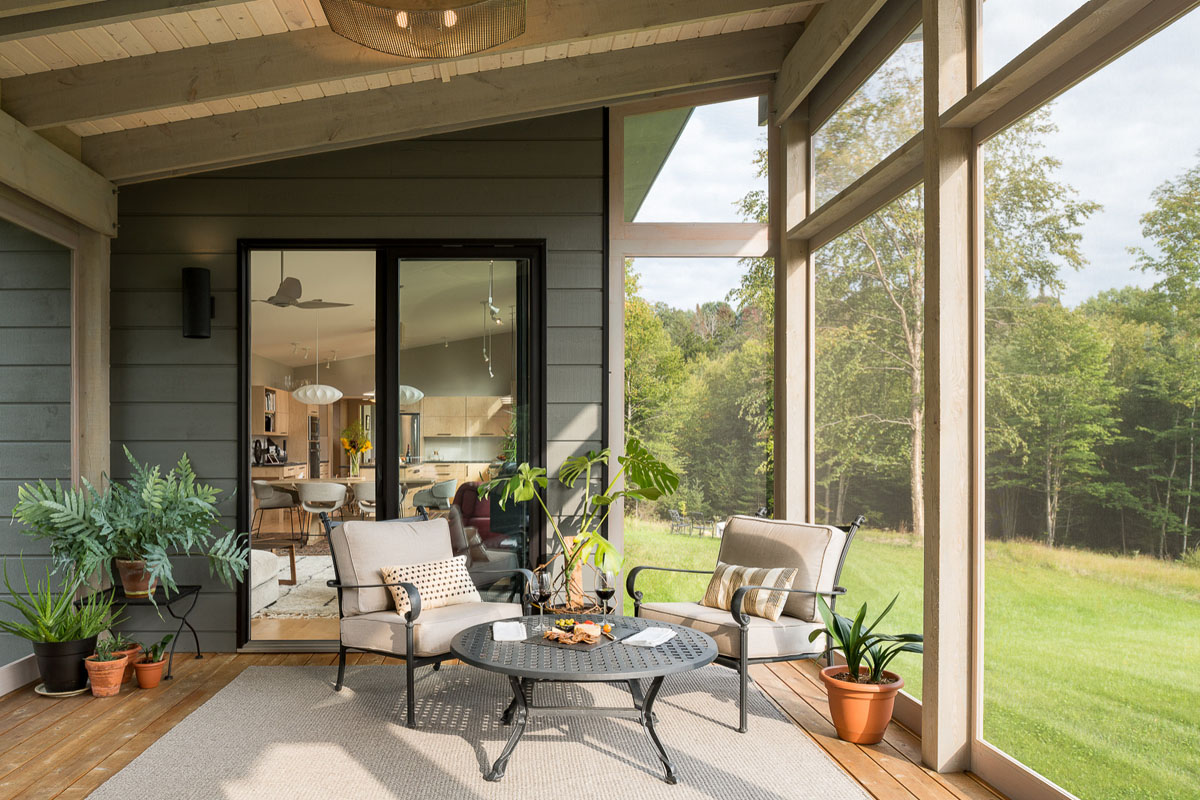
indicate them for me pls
(529, 663)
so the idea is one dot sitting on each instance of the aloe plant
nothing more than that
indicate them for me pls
(156, 651)
(860, 644)
(647, 478)
(50, 616)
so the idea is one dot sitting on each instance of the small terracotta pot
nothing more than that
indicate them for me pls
(149, 673)
(134, 578)
(861, 711)
(132, 656)
(105, 675)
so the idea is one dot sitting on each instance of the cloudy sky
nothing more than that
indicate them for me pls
(1122, 132)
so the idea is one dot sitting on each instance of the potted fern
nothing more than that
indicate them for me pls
(62, 632)
(862, 692)
(646, 478)
(139, 523)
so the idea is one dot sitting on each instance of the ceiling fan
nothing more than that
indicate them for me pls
(289, 292)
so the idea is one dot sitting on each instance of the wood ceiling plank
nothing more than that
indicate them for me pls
(47, 52)
(267, 63)
(20, 57)
(266, 15)
(130, 39)
(212, 25)
(157, 34)
(409, 111)
(102, 42)
(88, 15)
(240, 21)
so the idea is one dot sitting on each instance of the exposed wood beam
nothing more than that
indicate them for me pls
(826, 37)
(414, 110)
(267, 63)
(1095, 34)
(887, 180)
(9, 8)
(38, 169)
(88, 15)
(878, 40)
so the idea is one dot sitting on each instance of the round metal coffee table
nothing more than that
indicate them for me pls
(528, 663)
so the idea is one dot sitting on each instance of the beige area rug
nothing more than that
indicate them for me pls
(282, 732)
(310, 597)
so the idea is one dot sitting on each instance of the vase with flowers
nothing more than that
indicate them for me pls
(355, 443)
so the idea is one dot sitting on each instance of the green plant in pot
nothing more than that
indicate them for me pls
(150, 668)
(862, 692)
(63, 633)
(105, 668)
(646, 478)
(140, 523)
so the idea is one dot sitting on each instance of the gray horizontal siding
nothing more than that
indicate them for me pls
(535, 179)
(35, 390)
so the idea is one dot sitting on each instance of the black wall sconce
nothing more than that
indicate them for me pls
(198, 305)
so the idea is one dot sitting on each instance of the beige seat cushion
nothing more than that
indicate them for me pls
(786, 636)
(432, 632)
(439, 583)
(814, 550)
(362, 549)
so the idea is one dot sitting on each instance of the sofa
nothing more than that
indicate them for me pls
(264, 579)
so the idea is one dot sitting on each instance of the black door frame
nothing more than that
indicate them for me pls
(388, 253)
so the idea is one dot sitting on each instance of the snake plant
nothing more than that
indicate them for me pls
(860, 644)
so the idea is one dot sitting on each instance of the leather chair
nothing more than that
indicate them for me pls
(368, 620)
(818, 552)
(476, 511)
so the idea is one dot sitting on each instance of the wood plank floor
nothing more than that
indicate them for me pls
(67, 747)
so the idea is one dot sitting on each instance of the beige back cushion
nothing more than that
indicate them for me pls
(362, 549)
(814, 551)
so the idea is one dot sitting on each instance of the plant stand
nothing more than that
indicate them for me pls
(160, 598)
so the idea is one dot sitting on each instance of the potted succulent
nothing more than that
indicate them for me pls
(862, 692)
(131, 650)
(62, 631)
(138, 523)
(106, 668)
(646, 478)
(150, 668)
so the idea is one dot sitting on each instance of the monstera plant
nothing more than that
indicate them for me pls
(646, 478)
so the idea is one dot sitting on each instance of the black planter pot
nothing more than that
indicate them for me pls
(61, 663)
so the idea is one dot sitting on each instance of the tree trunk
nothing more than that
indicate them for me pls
(1124, 550)
(1051, 500)
(826, 509)
(1187, 508)
(1008, 512)
(843, 487)
(1166, 512)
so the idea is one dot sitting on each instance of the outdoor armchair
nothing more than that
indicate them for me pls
(368, 620)
(818, 553)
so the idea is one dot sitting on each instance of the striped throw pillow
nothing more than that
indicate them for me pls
(728, 578)
(440, 583)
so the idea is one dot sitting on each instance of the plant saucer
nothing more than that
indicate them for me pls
(41, 689)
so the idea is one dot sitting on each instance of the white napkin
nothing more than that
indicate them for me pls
(650, 637)
(509, 631)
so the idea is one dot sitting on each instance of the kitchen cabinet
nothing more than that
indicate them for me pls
(269, 408)
(443, 426)
(487, 416)
(444, 407)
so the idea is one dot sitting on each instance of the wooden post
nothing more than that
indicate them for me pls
(950, 430)
(789, 145)
(90, 344)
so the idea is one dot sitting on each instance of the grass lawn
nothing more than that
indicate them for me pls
(1090, 659)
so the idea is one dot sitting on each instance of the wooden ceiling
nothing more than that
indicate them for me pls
(161, 87)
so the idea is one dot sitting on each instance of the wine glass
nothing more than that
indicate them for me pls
(606, 587)
(545, 589)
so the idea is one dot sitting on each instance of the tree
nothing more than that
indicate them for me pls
(654, 369)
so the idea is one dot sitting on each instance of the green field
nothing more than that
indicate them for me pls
(1091, 660)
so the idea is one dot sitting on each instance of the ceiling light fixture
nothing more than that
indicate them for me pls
(407, 395)
(316, 393)
(427, 28)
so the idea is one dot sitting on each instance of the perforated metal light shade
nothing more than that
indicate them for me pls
(432, 29)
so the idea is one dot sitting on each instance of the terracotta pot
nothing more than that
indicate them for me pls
(105, 675)
(134, 578)
(132, 656)
(861, 711)
(149, 673)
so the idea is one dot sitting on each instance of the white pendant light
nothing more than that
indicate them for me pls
(407, 395)
(316, 393)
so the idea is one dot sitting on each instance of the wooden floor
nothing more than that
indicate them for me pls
(66, 748)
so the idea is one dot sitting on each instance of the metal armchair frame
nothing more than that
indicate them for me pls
(743, 663)
(411, 661)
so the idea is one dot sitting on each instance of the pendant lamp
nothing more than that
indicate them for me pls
(316, 393)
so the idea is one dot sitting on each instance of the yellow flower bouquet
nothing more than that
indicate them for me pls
(355, 443)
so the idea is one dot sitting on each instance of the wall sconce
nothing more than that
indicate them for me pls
(198, 305)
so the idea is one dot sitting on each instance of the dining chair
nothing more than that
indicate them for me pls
(270, 498)
(440, 495)
(320, 498)
(364, 497)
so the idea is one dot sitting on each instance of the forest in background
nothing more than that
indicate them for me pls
(1090, 411)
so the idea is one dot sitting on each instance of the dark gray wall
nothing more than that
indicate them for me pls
(538, 179)
(35, 390)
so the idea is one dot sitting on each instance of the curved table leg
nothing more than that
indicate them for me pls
(520, 708)
(183, 620)
(647, 716)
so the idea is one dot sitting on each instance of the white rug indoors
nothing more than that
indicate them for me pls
(310, 597)
(282, 732)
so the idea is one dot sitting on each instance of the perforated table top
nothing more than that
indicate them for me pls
(687, 650)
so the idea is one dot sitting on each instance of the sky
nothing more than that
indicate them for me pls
(1122, 132)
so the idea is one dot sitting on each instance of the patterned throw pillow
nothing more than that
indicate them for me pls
(440, 583)
(728, 578)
